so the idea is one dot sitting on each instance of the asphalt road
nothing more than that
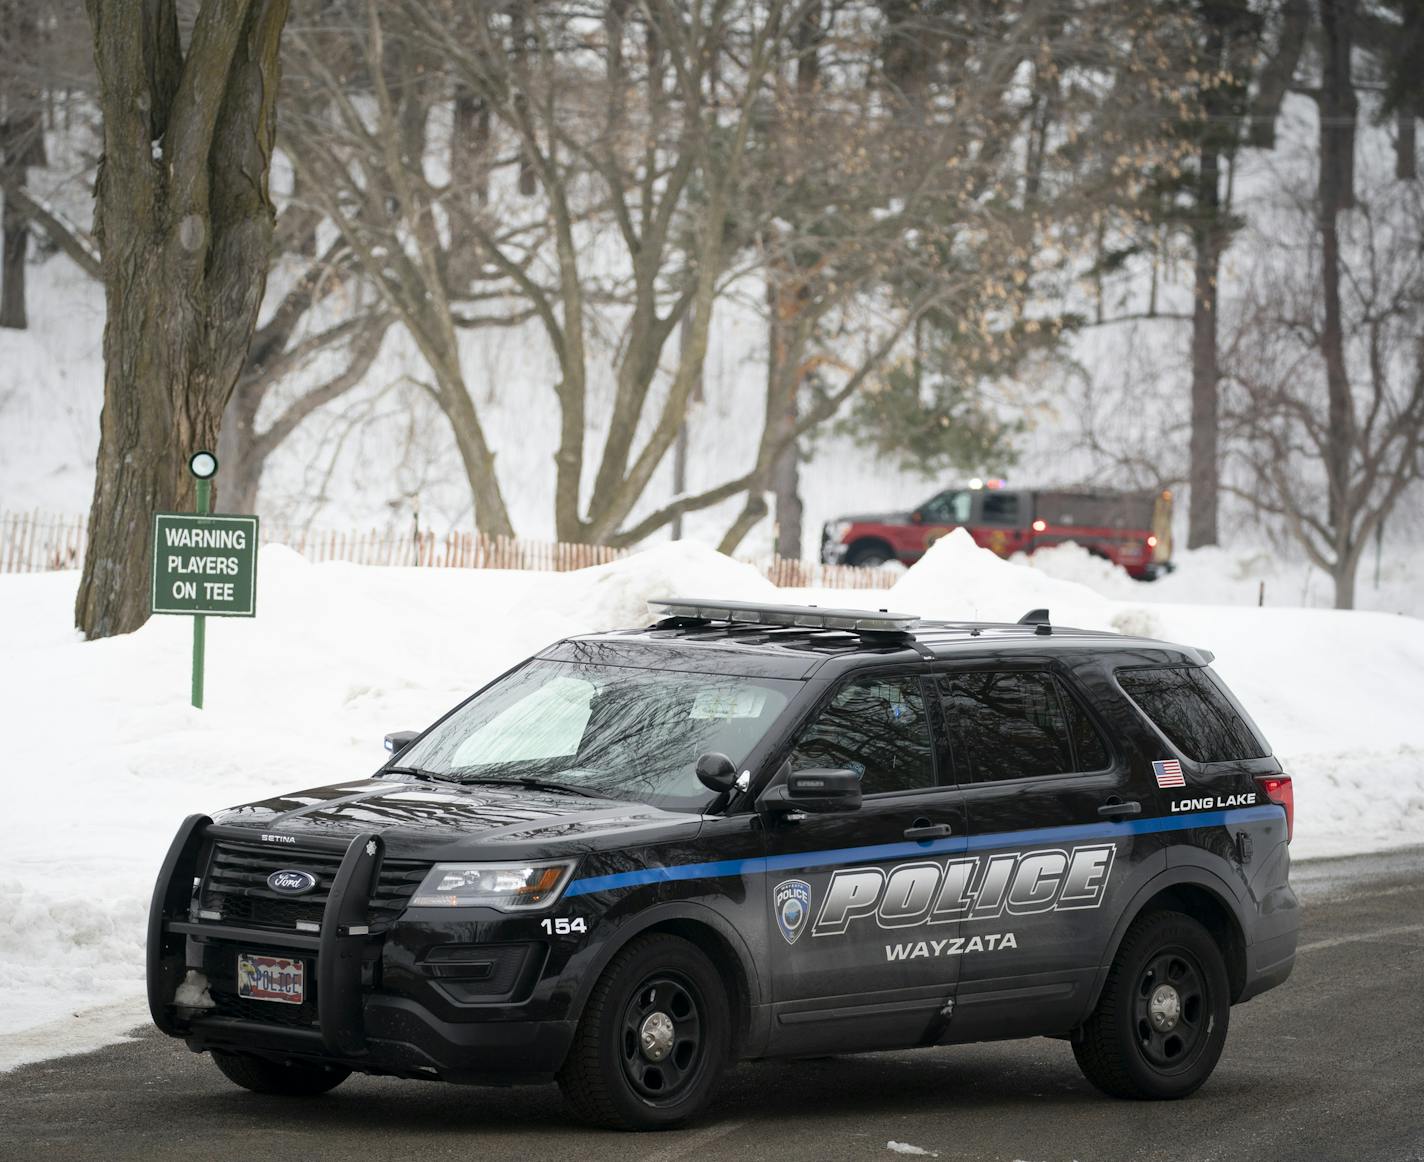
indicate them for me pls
(1330, 1066)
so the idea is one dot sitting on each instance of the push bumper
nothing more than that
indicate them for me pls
(345, 1020)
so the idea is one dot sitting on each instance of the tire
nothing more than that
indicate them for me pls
(280, 1078)
(653, 1040)
(1161, 1021)
(868, 556)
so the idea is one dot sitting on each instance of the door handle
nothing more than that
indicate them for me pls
(928, 831)
(1115, 807)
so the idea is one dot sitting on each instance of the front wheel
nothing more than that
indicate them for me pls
(1160, 1024)
(654, 1038)
(282, 1078)
(868, 556)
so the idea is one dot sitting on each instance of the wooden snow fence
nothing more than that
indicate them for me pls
(39, 542)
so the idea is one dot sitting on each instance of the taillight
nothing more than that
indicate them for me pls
(1040, 526)
(1278, 790)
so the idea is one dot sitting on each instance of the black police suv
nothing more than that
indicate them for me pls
(752, 831)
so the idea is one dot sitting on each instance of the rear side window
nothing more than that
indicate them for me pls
(1189, 708)
(875, 726)
(1018, 724)
(1001, 508)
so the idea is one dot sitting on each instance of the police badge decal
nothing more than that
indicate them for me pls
(791, 900)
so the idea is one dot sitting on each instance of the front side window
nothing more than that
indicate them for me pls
(875, 726)
(1018, 724)
(1189, 708)
(948, 508)
(610, 730)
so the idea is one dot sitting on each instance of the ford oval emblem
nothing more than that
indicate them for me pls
(291, 883)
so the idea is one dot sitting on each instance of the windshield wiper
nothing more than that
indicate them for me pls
(429, 776)
(534, 784)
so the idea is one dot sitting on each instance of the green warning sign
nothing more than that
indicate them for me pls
(204, 564)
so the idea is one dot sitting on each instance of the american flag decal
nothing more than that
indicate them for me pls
(1168, 772)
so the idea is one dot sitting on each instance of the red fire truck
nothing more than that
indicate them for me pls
(1131, 529)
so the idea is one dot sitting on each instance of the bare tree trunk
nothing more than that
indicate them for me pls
(469, 144)
(522, 44)
(786, 469)
(1204, 471)
(1347, 566)
(241, 469)
(679, 450)
(12, 273)
(186, 243)
(753, 512)
(1406, 157)
(21, 146)
(679, 475)
(491, 513)
(1336, 193)
(786, 487)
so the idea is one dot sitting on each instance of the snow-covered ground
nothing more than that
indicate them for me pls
(105, 756)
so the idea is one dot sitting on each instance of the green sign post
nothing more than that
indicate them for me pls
(203, 565)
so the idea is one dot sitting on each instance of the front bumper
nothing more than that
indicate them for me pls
(421, 1026)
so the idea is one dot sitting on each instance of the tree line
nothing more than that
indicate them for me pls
(924, 199)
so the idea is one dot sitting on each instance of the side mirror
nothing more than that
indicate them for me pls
(716, 772)
(398, 740)
(819, 790)
(917, 517)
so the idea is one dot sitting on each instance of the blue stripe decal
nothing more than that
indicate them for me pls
(958, 845)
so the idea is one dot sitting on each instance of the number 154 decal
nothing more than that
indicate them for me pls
(562, 926)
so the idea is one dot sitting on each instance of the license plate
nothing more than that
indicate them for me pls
(271, 978)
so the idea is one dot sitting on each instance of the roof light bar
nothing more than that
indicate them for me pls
(803, 616)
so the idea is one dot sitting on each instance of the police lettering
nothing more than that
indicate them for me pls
(1013, 883)
(957, 946)
(1214, 802)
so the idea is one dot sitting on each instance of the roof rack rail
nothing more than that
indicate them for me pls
(1038, 618)
(692, 610)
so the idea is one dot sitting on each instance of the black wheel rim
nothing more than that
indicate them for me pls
(1172, 1011)
(661, 1037)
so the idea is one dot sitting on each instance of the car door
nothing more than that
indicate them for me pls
(1001, 521)
(1049, 808)
(940, 516)
(859, 959)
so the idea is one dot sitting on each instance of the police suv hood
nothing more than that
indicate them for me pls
(420, 820)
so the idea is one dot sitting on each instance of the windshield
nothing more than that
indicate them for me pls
(610, 730)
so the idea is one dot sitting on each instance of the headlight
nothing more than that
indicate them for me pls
(510, 887)
(836, 530)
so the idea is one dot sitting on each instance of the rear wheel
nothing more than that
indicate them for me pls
(654, 1038)
(283, 1078)
(1161, 1022)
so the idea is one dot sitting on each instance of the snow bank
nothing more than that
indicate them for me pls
(1244, 574)
(111, 756)
(105, 757)
(960, 581)
(617, 594)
